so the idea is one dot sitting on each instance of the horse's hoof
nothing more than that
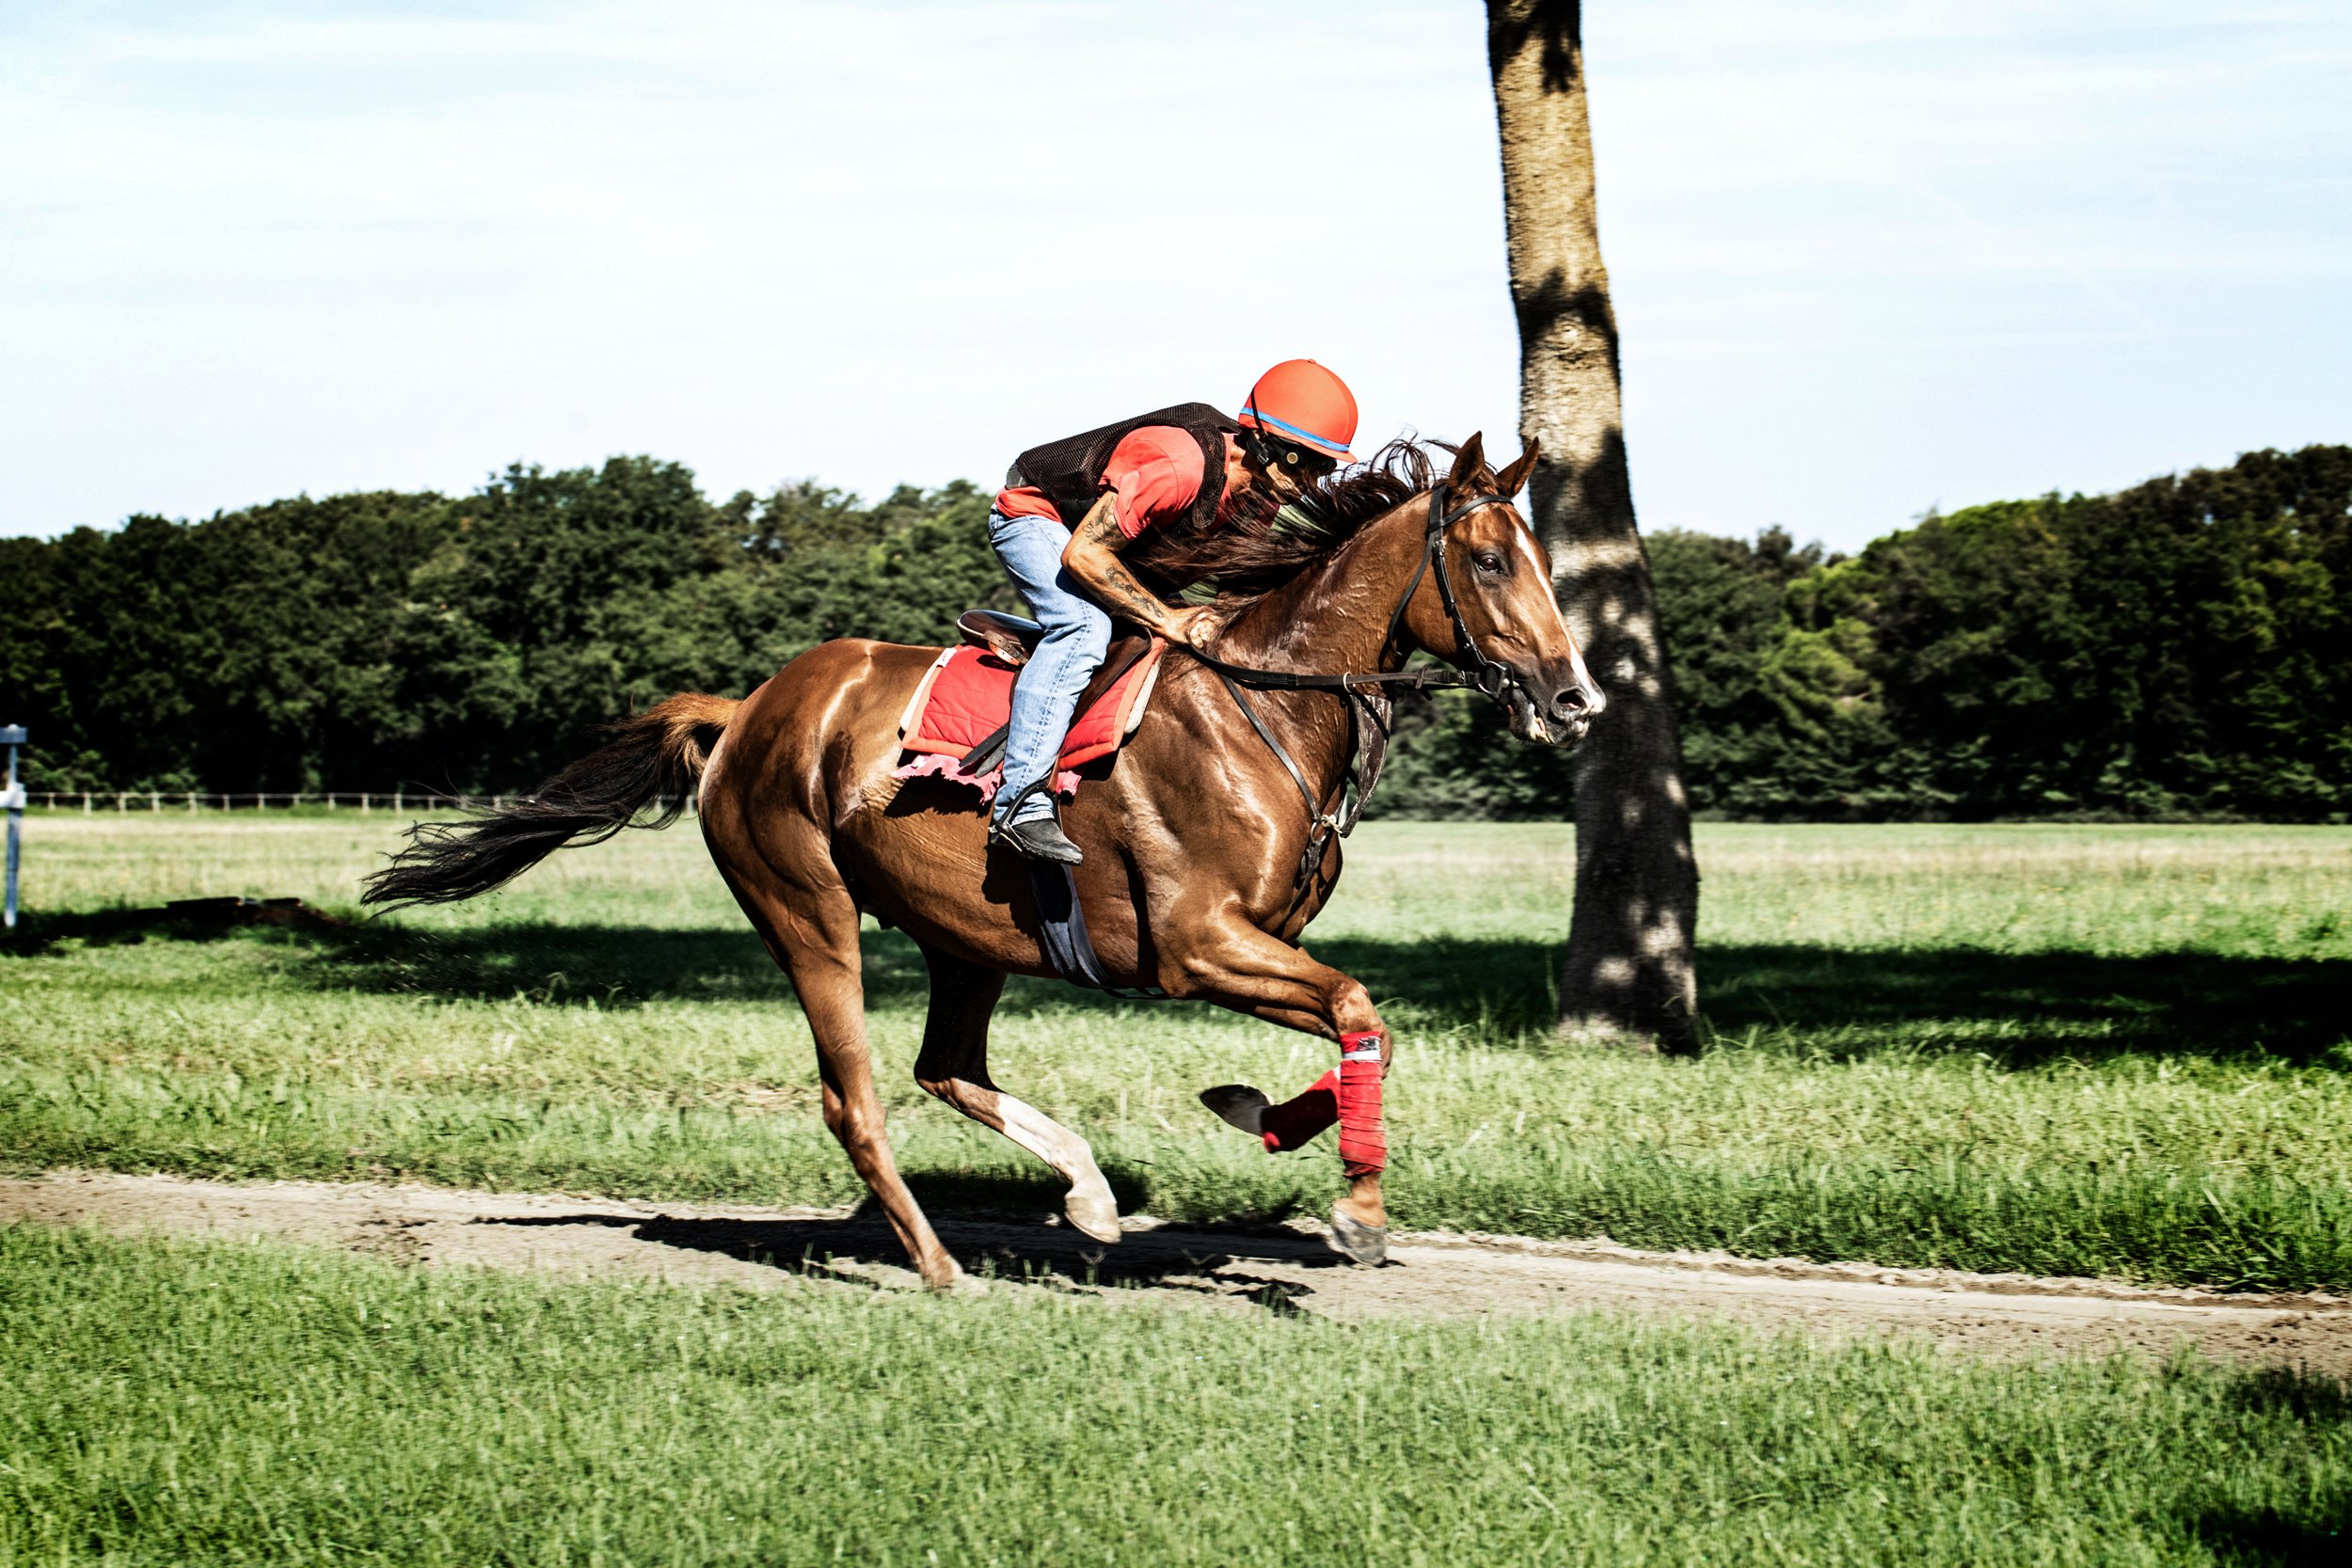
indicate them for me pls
(1366, 1244)
(1239, 1104)
(1095, 1214)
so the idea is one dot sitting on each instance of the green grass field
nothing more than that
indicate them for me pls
(2107, 1051)
(2102, 1050)
(174, 1403)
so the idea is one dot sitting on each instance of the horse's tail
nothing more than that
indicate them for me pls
(657, 754)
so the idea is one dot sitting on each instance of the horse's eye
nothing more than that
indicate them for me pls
(1489, 561)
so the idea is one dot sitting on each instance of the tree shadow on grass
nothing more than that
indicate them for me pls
(2265, 1538)
(608, 966)
(2315, 1400)
(2315, 1532)
(599, 965)
(2044, 1005)
(2022, 1008)
(2019, 1007)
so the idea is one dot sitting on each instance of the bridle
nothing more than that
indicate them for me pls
(1485, 673)
(1366, 695)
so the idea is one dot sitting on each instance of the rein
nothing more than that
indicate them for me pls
(1366, 695)
(1489, 677)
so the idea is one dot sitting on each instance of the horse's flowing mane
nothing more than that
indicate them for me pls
(1257, 548)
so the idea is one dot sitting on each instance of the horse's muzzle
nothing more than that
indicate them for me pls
(1562, 721)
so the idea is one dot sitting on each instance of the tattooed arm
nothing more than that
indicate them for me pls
(1092, 557)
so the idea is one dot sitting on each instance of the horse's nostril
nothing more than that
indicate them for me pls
(1570, 701)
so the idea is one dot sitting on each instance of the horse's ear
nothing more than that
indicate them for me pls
(1470, 461)
(1514, 478)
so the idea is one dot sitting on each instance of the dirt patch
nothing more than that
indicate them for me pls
(1287, 1269)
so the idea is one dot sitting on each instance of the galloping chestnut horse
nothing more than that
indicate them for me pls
(1194, 837)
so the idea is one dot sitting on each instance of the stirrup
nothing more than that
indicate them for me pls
(1040, 838)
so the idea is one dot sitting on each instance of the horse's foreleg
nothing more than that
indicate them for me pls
(954, 1065)
(1238, 966)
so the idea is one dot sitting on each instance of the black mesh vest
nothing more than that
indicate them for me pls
(1069, 471)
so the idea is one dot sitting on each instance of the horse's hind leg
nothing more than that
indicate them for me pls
(954, 1067)
(812, 930)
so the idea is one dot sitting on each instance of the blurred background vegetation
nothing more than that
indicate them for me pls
(2180, 649)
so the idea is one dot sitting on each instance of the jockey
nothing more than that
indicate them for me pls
(1070, 508)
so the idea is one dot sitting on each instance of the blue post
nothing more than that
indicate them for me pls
(12, 735)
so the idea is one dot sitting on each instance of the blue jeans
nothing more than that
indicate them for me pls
(1078, 637)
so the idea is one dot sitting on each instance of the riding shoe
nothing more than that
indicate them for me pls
(1040, 839)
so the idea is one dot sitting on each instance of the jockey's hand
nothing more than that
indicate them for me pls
(1195, 626)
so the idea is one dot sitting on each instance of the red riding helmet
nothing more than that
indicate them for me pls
(1301, 403)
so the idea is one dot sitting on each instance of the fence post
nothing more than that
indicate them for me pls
(12, 735)
(86, 803)
(399, 801)
(122, 802)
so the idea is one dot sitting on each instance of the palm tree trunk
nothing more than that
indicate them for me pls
(1629, 963)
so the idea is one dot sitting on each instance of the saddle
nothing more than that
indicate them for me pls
(955, 727)
(1011, 638)
(955, 724)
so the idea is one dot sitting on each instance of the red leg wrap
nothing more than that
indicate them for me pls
(1363, 1136)
(1295, 1123)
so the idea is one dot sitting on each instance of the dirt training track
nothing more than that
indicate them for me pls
(1286, 1269)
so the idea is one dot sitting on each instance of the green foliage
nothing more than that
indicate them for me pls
(2182, 648)
(361, 641)
(1453, 756)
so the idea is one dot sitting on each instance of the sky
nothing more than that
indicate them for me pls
(1868, 258)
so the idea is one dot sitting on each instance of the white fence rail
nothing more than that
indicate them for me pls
(90, 801)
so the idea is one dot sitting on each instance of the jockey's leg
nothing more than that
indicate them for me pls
(1045, 697)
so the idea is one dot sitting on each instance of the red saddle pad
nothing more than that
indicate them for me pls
(967, 696)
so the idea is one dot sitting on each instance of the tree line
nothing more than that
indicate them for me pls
(2182, 648)
(2178, 649)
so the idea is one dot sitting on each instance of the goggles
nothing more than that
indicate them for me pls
(1277, 456)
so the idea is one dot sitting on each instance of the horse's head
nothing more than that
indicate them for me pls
(1501, 576)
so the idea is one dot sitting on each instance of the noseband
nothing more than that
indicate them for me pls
(1366, 695)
